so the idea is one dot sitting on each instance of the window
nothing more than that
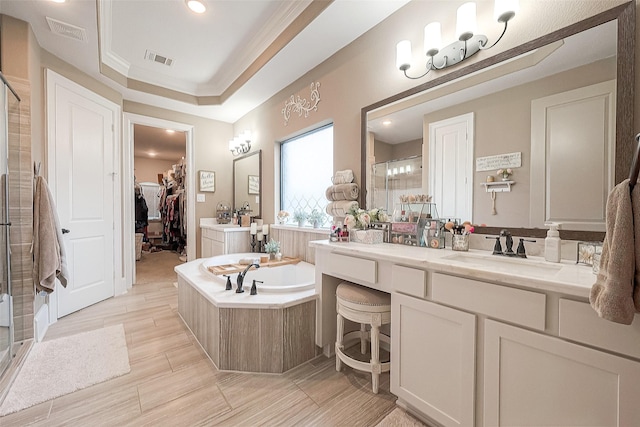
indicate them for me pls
(306, 168)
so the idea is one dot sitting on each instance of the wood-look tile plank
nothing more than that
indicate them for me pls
(174, 385)
(185, 356)
(29, 416)
(158, 345)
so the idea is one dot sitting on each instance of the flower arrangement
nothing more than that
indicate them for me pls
(283, 216)
(360, 219)
(505, 173)
(317, 218)
(272, 247)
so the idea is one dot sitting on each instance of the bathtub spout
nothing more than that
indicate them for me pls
(240, 278)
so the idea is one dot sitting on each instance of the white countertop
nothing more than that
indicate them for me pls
(226, 228)
(565, 277)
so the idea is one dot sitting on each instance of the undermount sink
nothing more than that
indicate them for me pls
(505, 264)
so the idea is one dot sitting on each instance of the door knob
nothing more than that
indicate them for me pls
(65, 231)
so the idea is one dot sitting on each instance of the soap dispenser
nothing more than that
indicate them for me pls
(552, 244)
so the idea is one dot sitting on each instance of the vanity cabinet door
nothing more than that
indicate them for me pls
(433, 352)
(533, 379)
(205, 247)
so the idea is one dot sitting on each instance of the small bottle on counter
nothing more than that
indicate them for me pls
(552, 244)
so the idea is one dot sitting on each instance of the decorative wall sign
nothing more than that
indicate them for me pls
(254, 184)
(500, 161)
(207, 181)
(301, 105)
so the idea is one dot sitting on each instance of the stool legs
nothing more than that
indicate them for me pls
(375, 358)
(363, 338)
(339, 337)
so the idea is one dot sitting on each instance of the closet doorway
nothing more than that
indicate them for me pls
(159, 169)
(156, 162)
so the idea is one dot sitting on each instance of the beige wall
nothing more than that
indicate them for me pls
(364, 72)
(147, 170)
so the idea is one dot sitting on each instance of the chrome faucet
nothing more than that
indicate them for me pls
(240, 279)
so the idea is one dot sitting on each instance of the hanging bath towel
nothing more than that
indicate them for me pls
(49, 259)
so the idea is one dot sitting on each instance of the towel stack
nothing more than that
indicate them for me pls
(616, 294)
(342, 195)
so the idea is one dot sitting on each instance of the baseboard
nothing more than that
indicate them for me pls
(41, 323)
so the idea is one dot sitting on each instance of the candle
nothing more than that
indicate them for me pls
(254, 228)
(259, 235)
(265, 229)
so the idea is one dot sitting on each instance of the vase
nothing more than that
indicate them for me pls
(301, 223)
(272, 256)
(316, 224)
(505, 177)
(278, 256)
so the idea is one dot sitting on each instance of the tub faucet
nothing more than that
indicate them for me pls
(240, 278)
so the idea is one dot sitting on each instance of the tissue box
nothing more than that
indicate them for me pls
(368, 236)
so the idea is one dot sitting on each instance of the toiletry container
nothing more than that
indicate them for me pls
(552, 244)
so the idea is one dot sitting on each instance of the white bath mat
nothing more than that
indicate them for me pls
(64, 365)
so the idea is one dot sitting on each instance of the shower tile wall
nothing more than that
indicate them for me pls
(21, 202)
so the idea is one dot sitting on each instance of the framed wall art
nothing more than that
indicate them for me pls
(207, 181)
(254, 184)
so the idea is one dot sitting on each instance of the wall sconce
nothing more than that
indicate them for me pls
(240, 144)
(467, 45)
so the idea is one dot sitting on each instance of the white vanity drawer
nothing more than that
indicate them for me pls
(358, 269)
(501, 302)
(579, 322)
(409, 281)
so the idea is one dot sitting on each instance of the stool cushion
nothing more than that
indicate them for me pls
(362, 295)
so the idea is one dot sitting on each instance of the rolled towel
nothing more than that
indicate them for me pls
(342, 177)
(341, 207)
(342, 192)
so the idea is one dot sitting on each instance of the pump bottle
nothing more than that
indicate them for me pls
(552, 244)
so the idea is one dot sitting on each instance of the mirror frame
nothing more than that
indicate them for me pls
(625, 98)
(259, 153)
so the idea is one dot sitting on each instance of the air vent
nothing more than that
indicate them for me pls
(158, 58)
(67, 30)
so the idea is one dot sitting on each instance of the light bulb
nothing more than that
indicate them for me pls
(466, 22)
(432, 39)
(403, 55)
(196, 6)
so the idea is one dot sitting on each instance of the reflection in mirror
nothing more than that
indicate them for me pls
(500, 96)
(247, 184)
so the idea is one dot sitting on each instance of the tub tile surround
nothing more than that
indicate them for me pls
(294, 240)
(269, 333)
(476, 342)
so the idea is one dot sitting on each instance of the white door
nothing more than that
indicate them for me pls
(451, 166)
(81, 175)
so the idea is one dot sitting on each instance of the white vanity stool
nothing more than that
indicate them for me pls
(365, 306)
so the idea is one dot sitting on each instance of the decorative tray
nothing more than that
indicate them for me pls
(237, 268)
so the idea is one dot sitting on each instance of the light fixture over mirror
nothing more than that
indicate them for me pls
(240, 144)
(467, 45)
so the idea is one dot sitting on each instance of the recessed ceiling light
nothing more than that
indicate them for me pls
(386, 122)
(196, 5)
(59, 1)
(152, 154)
(170, 131)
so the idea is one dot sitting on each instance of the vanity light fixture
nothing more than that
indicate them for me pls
(196, 6)
(468, 44)
(240, 144)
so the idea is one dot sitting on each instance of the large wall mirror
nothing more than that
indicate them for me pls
(247, 183)
(497, 94)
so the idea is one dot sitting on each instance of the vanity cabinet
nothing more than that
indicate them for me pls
(225, 240)
(536, 379)
(433, 354)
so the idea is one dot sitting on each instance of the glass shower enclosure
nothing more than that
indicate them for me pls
(395, 178)
(9, 192)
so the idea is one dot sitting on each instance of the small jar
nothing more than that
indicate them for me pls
(596, 262)
(460, 242)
